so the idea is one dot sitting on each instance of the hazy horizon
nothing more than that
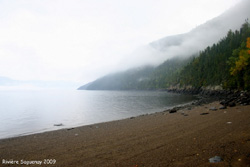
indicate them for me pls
(79, 41)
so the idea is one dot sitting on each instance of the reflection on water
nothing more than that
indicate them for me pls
(24, 112)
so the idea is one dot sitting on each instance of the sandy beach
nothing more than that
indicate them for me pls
(189, 137)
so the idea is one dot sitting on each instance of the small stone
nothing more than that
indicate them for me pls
(58, 124)
(215, 159)
(231, 104)
(223, 107)
(205, 113)
(213, 109)
(173, 111)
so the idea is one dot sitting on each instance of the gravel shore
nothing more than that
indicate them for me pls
(188, 137)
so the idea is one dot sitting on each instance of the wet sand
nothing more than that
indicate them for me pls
(185, 138)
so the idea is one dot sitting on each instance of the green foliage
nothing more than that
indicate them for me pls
(215, 64)
(166, 74)
(240, 63)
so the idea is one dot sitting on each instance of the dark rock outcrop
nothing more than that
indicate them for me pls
(228, 98)
(241, 98)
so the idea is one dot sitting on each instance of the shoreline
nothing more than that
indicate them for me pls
(201, 98)
(187, 137)
(180, 106)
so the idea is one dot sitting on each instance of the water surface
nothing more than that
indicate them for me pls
(25, 112)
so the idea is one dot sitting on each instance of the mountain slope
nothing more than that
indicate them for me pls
(215, 64)
(130, 79)
(206, 34)
(180, 51)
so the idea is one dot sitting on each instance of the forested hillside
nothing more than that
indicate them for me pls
(127, 80)
(225, 63)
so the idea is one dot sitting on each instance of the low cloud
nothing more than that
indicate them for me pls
(83, 40)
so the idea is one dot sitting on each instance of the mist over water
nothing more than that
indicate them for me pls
(80, 41)
(184, 45)
(27, 112)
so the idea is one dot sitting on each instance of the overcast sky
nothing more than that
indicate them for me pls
(80, 40)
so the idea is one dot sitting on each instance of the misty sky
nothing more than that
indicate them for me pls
(80, 40)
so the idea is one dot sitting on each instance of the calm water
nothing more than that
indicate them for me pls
(25, 112)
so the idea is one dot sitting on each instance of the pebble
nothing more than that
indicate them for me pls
(231, 104)
(213, 109)
(58, 124)
(173, 111)
(223, 107)
(215, 159)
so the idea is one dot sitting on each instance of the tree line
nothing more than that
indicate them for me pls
(225, 63)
